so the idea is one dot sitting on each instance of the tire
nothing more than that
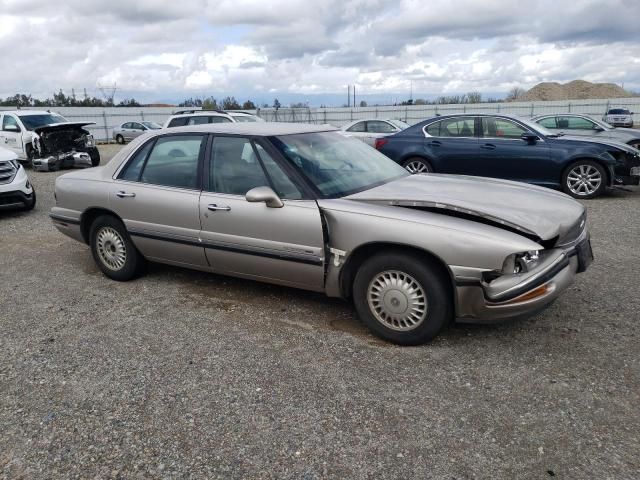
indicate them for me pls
(32, 204)
(584, 179)
(120, 139)
(94, 153)
(634, 144)
(29, 152)
(383, 272)
(108, 237)
(417, 165)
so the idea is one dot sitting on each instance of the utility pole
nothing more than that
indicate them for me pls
(354, 96)
(348, 95)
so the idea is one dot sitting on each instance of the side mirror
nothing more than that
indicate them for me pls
(266, 195)
(529, 137)
(598, 128)
(11, 128)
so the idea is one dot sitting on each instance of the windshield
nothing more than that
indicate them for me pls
(618, 111)
(34, 121)
(336, 165)
(244, 118)
(152, 125)
(400, 124)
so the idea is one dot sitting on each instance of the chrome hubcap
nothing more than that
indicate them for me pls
(584, 180)
(111, 249)
(416, 167)
(397, 300)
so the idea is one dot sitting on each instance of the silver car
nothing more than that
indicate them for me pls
(370, 129)
(584, 125)
(303, 206)
(130, 130)
(619, 117)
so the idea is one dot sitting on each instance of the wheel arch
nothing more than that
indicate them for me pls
(367, 250)
(599, 161)
(89, 215)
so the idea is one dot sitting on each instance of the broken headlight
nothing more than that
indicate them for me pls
(89, 141)
(521, 262)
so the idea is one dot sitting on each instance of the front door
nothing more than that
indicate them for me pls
(11, 135)
(157, 195)
(502, 153)
(280, 245)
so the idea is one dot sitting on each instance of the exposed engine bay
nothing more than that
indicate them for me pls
(64, 145)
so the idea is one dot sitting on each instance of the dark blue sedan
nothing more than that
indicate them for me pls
(506, 147)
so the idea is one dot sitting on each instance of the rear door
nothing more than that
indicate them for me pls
(281, 245)
(502, 153)
(452, 144)
(157, 195)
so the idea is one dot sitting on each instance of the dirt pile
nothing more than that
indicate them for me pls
(575, 90)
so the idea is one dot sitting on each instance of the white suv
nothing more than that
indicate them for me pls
(619, 117)
(16, 190)
(199, 117)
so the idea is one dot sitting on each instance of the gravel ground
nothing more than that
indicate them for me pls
(182, 374)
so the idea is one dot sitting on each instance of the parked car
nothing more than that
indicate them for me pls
(47, 140)
(502, 146)
(303, 206)
(16, 191)
(619, 117)
(369, 129)
(130, 130)
(584, 125)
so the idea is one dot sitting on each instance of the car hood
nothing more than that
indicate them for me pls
(609, 142)
(533, 211)
(60, 126)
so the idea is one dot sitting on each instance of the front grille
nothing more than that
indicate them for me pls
(10, 200)
(7, 172)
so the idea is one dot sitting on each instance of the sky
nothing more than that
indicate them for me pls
(259, 49)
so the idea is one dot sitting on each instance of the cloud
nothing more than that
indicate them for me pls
(244, 47)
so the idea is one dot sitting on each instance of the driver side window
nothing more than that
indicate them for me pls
(11, 122)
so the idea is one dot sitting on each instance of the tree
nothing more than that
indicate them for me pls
(420, 101)
(248, 105)
(230, 103)
(363, 103)
(129, 102)
(515, 94)
(276, 104)
(210, 103)
(474, 97)
(299, 105)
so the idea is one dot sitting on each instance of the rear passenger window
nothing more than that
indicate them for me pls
(219, 119)
(132, 171)
(357, 127)
(198, 121)
(173, 162)
(434, 129)
(549, 122)
(178, 122)
(458, 127)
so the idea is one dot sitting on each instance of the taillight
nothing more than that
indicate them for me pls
(381, 142)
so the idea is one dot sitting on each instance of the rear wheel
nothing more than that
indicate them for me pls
(584, 179)
(113, 250)
(402, 298)
(417, 165)
(119, 139)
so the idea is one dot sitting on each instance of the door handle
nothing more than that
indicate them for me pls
(213, 207)
(488, 146)
(122, 194)
(435, 143)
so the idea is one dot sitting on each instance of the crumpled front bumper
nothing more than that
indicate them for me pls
(63, 160)
(523, 294)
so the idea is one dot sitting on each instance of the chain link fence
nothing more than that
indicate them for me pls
(106, 119)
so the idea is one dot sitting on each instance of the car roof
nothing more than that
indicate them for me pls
(545, 115)
(260, 129)
(29, 112)
(200, 113)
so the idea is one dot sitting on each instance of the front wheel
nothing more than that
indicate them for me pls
(402, 298)
(584, 179)
(94, 153)
(417, 165)
(113, 251)
(120, 139)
